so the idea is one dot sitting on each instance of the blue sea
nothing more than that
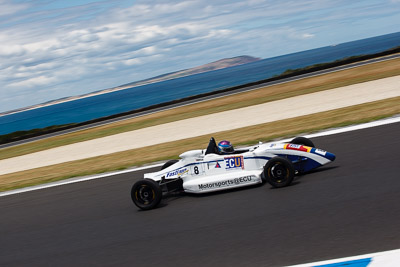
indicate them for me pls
(142, 96)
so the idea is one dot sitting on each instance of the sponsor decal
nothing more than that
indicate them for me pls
(179, 172)
(297, 147)
(320, 151)
(217, 165)
(234, 162)
(227, 183)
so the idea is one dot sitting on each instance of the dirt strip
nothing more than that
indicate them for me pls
(223, 121)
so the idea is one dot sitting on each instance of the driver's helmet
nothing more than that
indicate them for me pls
(225, 147)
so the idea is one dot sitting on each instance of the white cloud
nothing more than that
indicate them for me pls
(8, 7)
(132, 61)
(307, 35)
(80, 49)
(40, 80)
(11, 50)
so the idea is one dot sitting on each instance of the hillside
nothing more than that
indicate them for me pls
(216, 65)
(220, 64)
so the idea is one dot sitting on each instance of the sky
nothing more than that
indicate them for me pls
(54, 49)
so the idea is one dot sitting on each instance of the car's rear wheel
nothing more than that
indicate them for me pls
(146, 194)
(302, 141)
(169, 163)
(279, 172)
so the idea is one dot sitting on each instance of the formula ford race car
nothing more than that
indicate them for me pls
(209, 170)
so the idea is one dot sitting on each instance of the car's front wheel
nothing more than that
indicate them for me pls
(146, 194)
(279, 172)
(169, 163)
(302, 141)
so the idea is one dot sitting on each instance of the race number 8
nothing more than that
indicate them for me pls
(196, 170)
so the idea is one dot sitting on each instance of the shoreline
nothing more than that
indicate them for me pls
(73, 98)
(249, 116)
(156, 79)
(283, 75)
(335, 65)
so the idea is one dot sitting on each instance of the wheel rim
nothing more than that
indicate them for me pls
(145, 194)
(278, 172)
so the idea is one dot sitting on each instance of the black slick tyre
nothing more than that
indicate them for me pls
(279, 172)
(146, 194)
(169, 163)
(302, 141)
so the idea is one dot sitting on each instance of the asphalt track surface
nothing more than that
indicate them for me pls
(348, 208)
(201, 99)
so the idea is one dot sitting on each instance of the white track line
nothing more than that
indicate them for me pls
(103, 175)
(380, 259)
(75, 180)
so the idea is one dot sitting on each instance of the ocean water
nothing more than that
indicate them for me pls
(142, 96)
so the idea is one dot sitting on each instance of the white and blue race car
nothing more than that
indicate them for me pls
(209, 170)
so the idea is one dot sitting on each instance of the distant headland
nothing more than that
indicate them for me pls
(216, 65)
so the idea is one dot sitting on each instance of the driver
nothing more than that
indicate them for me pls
(225, 147)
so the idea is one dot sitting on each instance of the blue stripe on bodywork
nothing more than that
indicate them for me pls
(327, 155)
(354, 263)
(196, 163)
(303, 164)
(258, 157)
(330, 156)
(309, 164)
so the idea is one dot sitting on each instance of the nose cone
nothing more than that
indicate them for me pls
(330, 156)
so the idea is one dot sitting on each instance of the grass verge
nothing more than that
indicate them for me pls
(248, 135)
(266, 94)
